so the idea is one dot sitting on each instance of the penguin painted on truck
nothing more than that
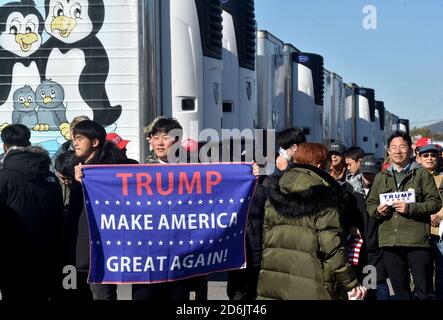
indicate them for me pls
(75, 56)
(25, 107)
(51, 110)
(21, 27)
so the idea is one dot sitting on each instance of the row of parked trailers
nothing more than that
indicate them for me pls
(264, 82)
(200, 61)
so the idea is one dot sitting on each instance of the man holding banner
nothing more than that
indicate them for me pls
(155, 225)
(409, 197)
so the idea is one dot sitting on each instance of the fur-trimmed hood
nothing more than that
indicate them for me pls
(32, 161)
(305, 190)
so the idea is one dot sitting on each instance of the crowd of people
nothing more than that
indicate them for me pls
(314, 224)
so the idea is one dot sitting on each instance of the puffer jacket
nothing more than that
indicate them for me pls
(413, 228)
(304, 255)
(438, 178)
(30, 220)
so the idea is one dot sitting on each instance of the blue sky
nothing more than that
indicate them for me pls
(402, 59)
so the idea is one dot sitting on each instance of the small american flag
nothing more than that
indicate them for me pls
(354, 247)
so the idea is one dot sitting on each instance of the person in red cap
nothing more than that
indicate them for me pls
(121, 144)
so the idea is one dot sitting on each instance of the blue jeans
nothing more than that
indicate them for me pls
(437, 248)
(383, 291)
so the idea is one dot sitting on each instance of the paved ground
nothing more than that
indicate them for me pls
(216, 288)
(216, 291)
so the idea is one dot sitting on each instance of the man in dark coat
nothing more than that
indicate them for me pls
(90, 147)
(30, 222)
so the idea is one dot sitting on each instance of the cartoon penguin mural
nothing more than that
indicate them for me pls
(75, 52)
(24, 107)
(51, 110)
(21, 27)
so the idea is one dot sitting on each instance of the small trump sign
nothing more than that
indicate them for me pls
(393, 197)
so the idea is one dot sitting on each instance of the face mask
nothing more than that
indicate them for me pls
(284, 155)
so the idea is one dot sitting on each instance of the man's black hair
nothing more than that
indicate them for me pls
(355, 153)
(17, 135)
(288, 137)
(91, 130)
(166, 125)
(400, 134)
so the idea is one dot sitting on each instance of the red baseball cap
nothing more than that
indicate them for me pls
(117, 140)
(423, 142)
(190, 145)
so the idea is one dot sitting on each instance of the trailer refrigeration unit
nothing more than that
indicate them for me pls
(338, 105)
(350, 123)
(308, 98)
(333, 108)
(239, 77)
(291, 82)
(365, 107)
(403, 125)
(270, 82)
(380, 150)
(392, 124)
(191, 43)
(328, 111)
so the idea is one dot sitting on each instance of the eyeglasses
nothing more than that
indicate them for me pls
(401, 147)
(427, 155)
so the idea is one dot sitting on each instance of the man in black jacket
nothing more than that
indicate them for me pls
(90, 147)
(30, 223)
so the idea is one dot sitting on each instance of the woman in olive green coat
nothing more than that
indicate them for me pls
(304, 255)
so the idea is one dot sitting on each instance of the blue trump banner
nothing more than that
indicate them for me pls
(157, 223)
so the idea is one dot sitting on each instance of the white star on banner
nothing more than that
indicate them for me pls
(159, 203)
(211, 241)
(128, 203)
(148, 203)
(119, 242)
(211, 201)
(97, 202)
(117, 202)
(220, 240)
(129, 243)
(108, 243)
(201, 242)
(231, 200)
(160, 243)
(179, 202)
(149, 243)
(171, 243)
(107, 202)
(180, 242)
(227, 237)
(139, 243)
(169, 202)
(241, 231)
(200, 202)
(138, 203)
(87, 201)
(221, 200)
(191, 242)
(190, 202)
(98, 243)
(242, 200)
(235, 234)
